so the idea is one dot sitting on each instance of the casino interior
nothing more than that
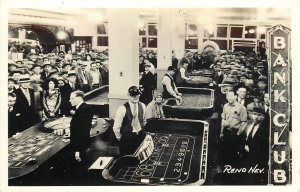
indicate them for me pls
(212, 51)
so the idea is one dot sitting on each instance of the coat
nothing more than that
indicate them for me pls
(28, 114)
(80, 127)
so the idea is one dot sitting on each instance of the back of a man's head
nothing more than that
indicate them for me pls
(78, 94)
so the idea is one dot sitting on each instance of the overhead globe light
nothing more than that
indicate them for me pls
(251, 31)
(61, 35)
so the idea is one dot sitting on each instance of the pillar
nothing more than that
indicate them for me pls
(164, 45)
(22, 35)
(123, 55)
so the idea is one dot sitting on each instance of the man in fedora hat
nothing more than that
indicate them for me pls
(47, 68)
(242, 98)
(36, 69)
(147, 84)
(129, 123)
(25, 102)
(254, 145)
(262, 85)
(261, 70)
(227, 84)
(257, 102)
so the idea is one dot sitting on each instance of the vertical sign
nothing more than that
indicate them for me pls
(279, 59)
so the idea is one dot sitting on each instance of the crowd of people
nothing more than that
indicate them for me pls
(39, 86)
(241, 106)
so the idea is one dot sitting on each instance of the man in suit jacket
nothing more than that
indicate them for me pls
(84, 78)
(254, 139)
(80, 127)
(25, 103)
(66, 91)
(147, 83)
(254, 145)
(14, 117)
(104, 74)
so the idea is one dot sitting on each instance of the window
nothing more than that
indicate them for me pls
(14, 33)
(250, 32)
(208, 34)
(101, 29)
(152, 42)
(191, 44)
(142, 32)
(236, 32)
(222, 44)
(192, 30)
(152, 29)
(148, 36)
(102, 41)
(222, 31)
(102, 35)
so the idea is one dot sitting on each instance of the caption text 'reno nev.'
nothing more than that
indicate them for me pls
(255, 169)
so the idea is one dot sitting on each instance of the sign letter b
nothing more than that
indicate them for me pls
(279, 43)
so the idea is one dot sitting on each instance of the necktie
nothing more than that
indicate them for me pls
(73, 86)
(158, 111)
(134, 111)
(27, 95)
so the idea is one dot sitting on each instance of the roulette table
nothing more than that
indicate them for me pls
(197, 103)
(35, 147)
(201, 72)
(200, 78)
(179, 156)
(98, 99)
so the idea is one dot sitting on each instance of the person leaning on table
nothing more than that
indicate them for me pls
(170, 89)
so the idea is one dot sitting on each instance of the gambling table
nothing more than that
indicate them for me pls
(200, 78)
(197, 103)
(98, 99)
(201, 72)
(35, 147)
(179, 156)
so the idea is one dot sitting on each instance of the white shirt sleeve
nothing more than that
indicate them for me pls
(182, 73)
(144, 117)
(118, 121)
(167, 82)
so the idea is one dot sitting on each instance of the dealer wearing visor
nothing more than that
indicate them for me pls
(129, 123)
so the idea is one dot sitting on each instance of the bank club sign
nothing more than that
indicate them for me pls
(279, 60)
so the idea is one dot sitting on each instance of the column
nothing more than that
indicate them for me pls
(178, 36)
(123, 55)
(164, 45)
(22, 35)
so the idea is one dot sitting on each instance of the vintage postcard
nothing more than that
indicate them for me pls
(150, 94)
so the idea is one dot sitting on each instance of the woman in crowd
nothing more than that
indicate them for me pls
(51, 99)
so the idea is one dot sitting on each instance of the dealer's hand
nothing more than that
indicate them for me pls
(77, 156)
(221, 136)
(247, 148)
(72, 112)
(178, 97)
(179, 94)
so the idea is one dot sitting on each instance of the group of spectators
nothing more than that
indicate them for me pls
(40, 85)
(241, 105)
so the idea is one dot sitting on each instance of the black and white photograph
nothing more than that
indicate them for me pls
(150, 96)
